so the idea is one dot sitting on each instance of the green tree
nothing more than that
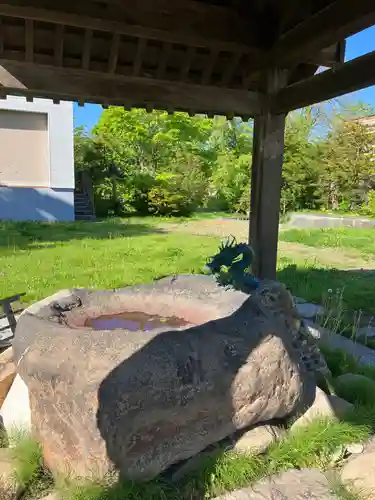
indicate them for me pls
(348, 160)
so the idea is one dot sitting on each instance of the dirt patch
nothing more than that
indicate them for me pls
(222, 228)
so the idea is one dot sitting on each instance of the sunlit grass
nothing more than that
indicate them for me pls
(42, 258)
(310, 446)
(357, 239)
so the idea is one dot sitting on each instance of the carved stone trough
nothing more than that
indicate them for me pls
(190, 364)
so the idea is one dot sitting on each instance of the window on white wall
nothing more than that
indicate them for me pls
(24, 157)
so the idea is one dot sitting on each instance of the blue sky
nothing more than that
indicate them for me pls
(357, 45)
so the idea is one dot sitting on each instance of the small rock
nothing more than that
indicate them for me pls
(360, 473)
(9, 489)
(15, 411)
(257, 440)
(355, 448)
(366, 331)
(324, 406)
(7, 373)
(309, 310)
(301, 484)
(313, 330)
(51, 496)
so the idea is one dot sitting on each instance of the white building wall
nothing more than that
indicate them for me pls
(54, 200)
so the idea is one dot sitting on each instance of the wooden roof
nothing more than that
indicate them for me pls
(199, 56)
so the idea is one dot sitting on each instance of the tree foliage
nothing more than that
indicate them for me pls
(173, 164)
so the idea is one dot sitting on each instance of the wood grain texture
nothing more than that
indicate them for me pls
(349, 77)
(90, 86)
(336, 21)
(180, 21)
(267, 161)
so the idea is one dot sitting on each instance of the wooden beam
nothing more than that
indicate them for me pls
(137, 64)
(1, 37)
(185, 68)
(330, 57)
(267, 160)
(351, 76)
(231, 68)
(208, 70)
(163, 61)
(86, 53)
(59, 45)
(29, 40)
(181, 21)
(113, 56)
(116, 89)
(337, 21)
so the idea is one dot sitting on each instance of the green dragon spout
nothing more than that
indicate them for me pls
(232, 265)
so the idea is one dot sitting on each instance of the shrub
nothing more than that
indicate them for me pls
(369, 207)
(168, 197)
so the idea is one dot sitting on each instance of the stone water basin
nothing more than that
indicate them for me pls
(141, 378)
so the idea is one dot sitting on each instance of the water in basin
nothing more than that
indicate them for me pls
(134, 321)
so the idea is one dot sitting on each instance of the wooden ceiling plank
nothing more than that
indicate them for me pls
(86, 53)
(197, 37)
(354, 75)
(137, 64)
(113, 56)
(29, 40)
(64, 83)
(337, 21)
(59, 45)
(189, 56)
(166, 52)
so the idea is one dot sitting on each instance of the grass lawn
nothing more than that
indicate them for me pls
(362, 240)
(41, 258)
(358, 284)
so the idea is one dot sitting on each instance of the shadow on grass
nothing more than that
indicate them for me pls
(24, 235)
(312, 284)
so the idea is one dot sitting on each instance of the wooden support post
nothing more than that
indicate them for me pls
(268, 151)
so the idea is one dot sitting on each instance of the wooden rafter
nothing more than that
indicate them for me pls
(1, 37)
(86, 52)
(29, 40)
(113, 56)
(79, 85)
(163, 61)
(59, 45)
(231, 68)
(349, 77)
(185, 68)
(137, 65)
(337, 21)
(329, 57)
(203, 25)
(208, 70)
